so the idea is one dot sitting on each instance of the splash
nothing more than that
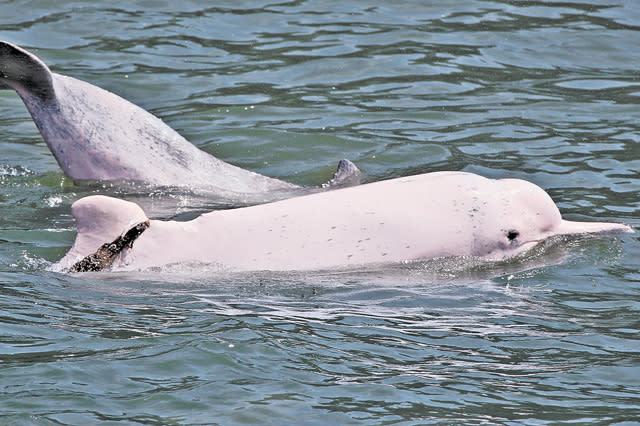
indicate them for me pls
(29, 262)
(7, 172)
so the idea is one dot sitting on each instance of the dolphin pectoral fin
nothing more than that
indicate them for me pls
(24, 72)
(347, 174)
(106, 226)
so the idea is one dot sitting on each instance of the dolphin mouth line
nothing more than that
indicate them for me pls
(528, 245)
(106, 254)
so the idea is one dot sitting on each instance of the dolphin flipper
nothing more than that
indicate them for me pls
(347, 174)
(24, 72)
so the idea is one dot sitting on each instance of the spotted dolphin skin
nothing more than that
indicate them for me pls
(412, 218)
(96, 135)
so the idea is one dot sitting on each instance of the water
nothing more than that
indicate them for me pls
(544, 91)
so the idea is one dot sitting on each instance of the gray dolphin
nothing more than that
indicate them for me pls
(96, 135)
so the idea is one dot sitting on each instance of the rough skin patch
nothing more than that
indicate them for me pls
(107, 252)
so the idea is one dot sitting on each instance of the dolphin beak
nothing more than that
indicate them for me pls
(568, 227)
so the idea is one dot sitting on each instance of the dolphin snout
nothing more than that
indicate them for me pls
(569, 227)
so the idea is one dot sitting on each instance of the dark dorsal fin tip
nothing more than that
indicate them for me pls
(347, 174)
(24, 72)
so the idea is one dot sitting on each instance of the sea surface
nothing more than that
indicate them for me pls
(547, 91)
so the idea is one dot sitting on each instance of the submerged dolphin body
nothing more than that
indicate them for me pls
(412, 218)
(96, 135)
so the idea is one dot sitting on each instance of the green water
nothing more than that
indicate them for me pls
(543, 91)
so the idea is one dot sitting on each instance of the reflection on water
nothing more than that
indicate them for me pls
(545, 92)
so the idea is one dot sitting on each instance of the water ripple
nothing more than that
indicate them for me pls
(546, 92)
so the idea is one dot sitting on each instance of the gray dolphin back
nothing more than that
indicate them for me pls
(96, 135)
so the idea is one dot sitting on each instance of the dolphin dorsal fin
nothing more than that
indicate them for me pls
(347, 174)
(100, 219)
(24, 72)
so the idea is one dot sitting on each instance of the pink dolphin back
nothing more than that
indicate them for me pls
(417, 217)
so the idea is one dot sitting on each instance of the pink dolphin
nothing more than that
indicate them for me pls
(417, 217)
(96, 135)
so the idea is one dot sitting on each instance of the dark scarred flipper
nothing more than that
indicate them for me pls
(107, 252)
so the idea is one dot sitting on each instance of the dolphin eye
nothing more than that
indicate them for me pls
(512, 234)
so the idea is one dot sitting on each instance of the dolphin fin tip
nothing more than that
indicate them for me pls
(24, 72)
(347, 174)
